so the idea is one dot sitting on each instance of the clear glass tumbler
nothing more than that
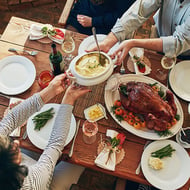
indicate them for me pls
(90, 130)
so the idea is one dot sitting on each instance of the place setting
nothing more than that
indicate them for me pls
(17, 74)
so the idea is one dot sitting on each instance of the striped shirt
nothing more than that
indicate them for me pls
(40, 174)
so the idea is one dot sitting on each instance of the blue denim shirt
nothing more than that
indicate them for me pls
(174, 28)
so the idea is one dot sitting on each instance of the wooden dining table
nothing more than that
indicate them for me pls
(16, 35)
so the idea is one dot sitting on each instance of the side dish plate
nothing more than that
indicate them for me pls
(176, 168)
(40, 138)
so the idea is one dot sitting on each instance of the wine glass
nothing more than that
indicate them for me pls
(68, 44)
(167, 62)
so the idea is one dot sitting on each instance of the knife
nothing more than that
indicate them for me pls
(72, 146)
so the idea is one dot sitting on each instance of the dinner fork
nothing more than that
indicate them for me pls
(29, 52)
(122, 69)
(139, 165)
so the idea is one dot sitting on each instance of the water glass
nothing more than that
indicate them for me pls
(168, 62)
(68, 44)
(90, 130)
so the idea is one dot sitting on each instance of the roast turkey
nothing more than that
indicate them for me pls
(141, 98)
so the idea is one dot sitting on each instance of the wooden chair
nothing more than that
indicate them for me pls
(65, 13)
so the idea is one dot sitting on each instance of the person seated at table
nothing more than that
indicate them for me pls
(14, 175)
(101, 14)
(172, 20)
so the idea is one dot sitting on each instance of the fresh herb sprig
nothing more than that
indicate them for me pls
(42, 118)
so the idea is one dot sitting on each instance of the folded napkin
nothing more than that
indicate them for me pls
(147, 69)
(113, 82)
(107, 157)
(139, 53)
(40, 31)
(12, 103)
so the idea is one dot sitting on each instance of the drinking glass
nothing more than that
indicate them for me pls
(68, 44)
(167, 63)
(90, 130)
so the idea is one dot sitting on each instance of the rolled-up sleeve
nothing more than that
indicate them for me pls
(179, 43)
(132, 19)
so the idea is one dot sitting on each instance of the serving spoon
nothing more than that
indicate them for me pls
(29, 52)
(101, 59)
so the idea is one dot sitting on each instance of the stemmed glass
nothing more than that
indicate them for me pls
(68, 44)
(167, 62)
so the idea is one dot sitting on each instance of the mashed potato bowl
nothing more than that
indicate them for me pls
(86, 69)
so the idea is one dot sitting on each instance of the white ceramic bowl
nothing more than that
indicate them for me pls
(180, 136)
(94, 79)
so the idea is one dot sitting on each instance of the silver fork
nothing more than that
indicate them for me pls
(139, 165)
(122, 69)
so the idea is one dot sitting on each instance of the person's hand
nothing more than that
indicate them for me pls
(122, 51)
(106, 44)
(73, 92)
(85, 21)
(58, 84)
(55, 87)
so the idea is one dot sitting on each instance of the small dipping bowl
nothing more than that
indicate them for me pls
(185, 139)
(44, 78)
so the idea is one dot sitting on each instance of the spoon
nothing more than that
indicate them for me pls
(29, 52)
(102, 61)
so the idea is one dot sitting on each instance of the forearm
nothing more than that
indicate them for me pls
(155, 44)
(19, 114)
(133, 18)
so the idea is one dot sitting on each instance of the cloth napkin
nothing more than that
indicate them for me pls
(36, 33)
(105, 159)
(139, 52)
(113, 82)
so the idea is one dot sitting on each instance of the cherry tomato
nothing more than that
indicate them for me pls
(131, 121)
(143, 124)
(169, 125)
(137, 118)
(117, 103)
(118, 111)
(131, 114)
(174, 121)
(137, 125)
(125, 117)
(156, 88)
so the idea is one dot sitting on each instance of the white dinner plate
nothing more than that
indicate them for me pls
(17, 74)
(175, 172)
(40, 138)
(179, 79)
(111, 96)
(89, 42)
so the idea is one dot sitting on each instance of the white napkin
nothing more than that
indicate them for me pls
(102, 159)
(139, 52)
(16, 132)
(36, 33)
(113, 82)
(147, 69)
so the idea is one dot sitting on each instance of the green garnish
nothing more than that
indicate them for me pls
(42, 118)
(163, 152)
(164, 133)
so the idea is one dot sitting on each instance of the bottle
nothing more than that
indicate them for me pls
(55, 60)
